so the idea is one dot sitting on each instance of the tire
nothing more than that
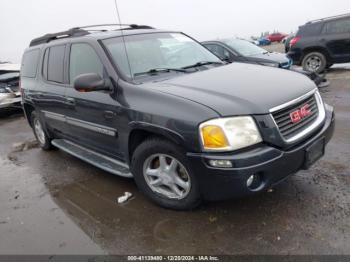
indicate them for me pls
(150, 153)
(314, 62)
(40, 135)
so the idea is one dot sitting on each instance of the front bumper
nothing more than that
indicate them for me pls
(272, 164)
(10, 100)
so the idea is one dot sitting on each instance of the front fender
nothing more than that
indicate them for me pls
(172, 135)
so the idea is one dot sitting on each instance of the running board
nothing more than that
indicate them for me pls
(101, 161)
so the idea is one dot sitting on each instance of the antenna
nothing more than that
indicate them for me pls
(120, 24)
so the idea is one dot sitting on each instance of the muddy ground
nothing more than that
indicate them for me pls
(53, 203)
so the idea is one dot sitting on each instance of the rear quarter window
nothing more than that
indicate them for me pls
(30, 63)
(310, 29)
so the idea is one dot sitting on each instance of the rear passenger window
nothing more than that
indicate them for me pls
(83, 60)
(337, 27)
(30, 63)
(55, 63)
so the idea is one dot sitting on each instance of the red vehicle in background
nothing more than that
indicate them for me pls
(276, 37)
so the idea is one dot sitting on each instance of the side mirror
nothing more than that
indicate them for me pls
(90, 82)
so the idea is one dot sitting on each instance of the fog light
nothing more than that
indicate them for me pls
(250, 180)
(220, 163)
(254, 181)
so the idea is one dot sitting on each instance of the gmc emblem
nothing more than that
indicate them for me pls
(301, 113)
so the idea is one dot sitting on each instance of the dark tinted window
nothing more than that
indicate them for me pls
(218, 50)
(83, 59)
(337, 27)
(55, 64)
(310, 29)
(30, 63)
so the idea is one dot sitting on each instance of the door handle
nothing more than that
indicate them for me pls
(109, 114)
(70, 101)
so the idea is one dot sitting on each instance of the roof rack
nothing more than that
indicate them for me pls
(328, 18)
(81, 31)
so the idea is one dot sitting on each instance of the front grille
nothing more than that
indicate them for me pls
(282, 117)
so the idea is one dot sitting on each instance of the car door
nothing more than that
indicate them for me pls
(92, 116)
(49, 94)
(336, 35)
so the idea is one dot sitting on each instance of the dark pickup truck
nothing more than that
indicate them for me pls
(159, 107)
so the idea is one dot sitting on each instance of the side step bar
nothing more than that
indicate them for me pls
(101, 161)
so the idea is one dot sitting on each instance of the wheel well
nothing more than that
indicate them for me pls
(28, 109)
(317, 49)
(137, 136)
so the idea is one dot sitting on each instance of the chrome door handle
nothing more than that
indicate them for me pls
(109, 114)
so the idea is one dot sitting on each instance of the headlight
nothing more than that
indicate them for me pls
(269, 64)
(228, 134)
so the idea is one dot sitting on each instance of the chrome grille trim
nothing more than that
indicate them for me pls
(320, 118)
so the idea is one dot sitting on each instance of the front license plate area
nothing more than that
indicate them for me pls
(314, 152)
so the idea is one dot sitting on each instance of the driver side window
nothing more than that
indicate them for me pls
(219, 51)
(83, 60)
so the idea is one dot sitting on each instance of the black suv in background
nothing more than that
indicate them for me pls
(321, 43)
(159, 107)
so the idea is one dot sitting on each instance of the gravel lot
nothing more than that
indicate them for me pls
(53, 203)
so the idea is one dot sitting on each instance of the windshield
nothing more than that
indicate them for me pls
(244, 47)
(157, 50)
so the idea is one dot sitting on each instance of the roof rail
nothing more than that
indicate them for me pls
(328, 18)
(81, 31)
(128, 26)
(49, 37)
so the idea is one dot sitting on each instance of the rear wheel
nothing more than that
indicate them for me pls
(162, 172)
(39, 132)
(314, 62)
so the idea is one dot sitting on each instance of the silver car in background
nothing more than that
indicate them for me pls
(10, 95)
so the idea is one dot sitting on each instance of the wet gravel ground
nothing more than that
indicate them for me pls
(53, 203)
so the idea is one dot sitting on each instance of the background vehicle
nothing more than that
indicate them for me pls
(171, 114)
(321, 43)
(286, 42)
(276, 37)
(9, 86)
(263, 41)
(238, 50)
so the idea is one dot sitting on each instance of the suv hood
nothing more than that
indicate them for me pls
(238, 89)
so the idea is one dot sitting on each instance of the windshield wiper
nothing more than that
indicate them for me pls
(155, 71)
(202, 64)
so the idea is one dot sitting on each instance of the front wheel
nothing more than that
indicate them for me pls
(314, 62)
(39, 132)
(162, 172)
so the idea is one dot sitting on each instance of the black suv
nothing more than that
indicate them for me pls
(321, 43)
(158, 106)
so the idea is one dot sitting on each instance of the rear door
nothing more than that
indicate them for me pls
(49, 94)
(336, 34)
(92, 117)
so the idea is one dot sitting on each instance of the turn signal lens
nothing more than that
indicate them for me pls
(214, 137)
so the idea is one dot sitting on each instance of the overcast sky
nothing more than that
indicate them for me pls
(22, 20)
